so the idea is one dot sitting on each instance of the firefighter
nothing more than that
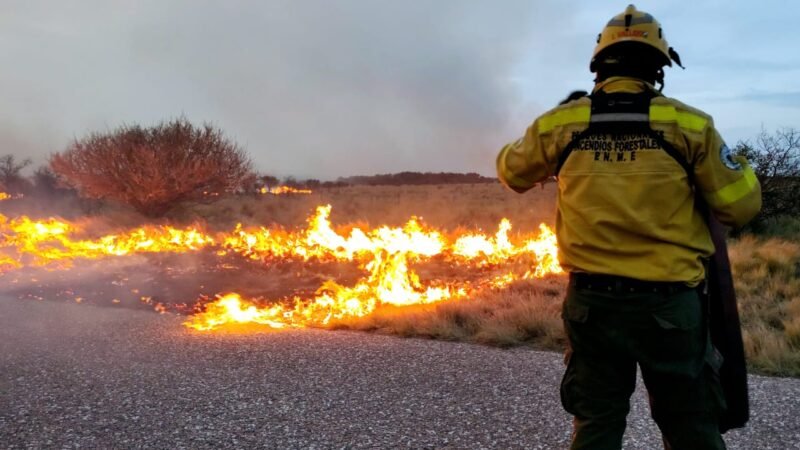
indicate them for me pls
(634, 168)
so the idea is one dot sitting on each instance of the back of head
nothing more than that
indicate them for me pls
(630, 59)
(632, 44)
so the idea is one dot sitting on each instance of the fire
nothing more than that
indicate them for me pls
(50, 241)
(390, 282)
(546, 247)
(475, 245)
(387, 256)
(386, 253)
(231, 309)
(280, 190)
(7, 196)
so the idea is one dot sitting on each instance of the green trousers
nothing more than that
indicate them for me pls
(665, 334)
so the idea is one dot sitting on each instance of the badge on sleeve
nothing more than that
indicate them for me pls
(726, 156)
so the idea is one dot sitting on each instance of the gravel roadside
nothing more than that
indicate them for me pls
(78, 376)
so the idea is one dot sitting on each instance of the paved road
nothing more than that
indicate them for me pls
(90, 377)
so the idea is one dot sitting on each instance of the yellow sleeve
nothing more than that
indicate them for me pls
(522, 164)
(727, 182)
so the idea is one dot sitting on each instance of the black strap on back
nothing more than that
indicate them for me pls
(622, 113)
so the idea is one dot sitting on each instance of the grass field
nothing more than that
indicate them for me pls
(767, 277)
(766, 270)
(448, 207)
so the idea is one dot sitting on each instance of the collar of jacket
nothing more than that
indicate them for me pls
(623, 84)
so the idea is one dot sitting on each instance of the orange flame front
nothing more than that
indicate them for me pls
(281, 190)
(48, 242)
(384, 253)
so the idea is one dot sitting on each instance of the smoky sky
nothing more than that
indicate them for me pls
(310, 88)
(313, 88)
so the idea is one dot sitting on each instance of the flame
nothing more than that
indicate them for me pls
(7, 196)
(494, 249)
(49, 241)
(390, 282)
(386, 254)
(281, 190)
(546, 248)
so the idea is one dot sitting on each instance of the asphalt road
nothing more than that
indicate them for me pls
(79, 376)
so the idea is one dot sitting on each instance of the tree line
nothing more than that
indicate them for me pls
(417, 178)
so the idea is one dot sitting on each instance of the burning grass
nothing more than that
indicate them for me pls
(387, 255)
(284, 190)
(457, 272)
(524, 313)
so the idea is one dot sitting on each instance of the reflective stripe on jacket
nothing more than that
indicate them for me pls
(625, 206)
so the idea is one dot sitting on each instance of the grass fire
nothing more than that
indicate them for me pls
(385, 254)
(364, 224)
(455, 262)
(463, 262)
(283, 190)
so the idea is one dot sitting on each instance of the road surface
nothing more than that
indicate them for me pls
(79, 376)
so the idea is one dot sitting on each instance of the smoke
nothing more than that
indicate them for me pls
(313, 88)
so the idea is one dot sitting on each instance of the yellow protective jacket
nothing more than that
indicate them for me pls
(625, 206)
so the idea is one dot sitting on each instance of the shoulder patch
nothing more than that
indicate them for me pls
(726, 156)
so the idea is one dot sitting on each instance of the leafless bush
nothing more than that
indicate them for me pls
(776, 161)
(268, 181)
(45, 182)
(11, 179)
(153, 169)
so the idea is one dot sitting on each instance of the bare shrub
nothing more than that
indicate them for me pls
(153, 169)
(11, 179)
(776, 161)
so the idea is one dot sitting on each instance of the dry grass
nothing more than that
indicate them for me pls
(767, 271)
(767, 276)
(443, 206)
(526, 313)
